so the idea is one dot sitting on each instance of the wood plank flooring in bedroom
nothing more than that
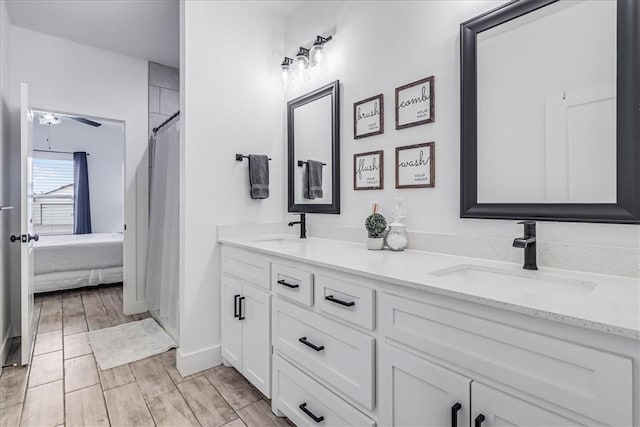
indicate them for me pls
(65, 386)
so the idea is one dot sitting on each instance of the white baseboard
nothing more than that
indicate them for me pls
(5, 344)
(197, 361)
(135, 307)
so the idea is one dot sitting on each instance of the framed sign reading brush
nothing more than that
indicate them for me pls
(415, 103)
(368, 117)
(415, 166)
(368, 170)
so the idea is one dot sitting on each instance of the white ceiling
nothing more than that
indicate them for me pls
(147, 29)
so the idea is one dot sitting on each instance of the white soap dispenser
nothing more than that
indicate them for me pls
(397, 237)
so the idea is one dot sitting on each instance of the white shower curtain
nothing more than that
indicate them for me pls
(162, 291)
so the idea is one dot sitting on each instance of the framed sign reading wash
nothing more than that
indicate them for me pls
(546, 135)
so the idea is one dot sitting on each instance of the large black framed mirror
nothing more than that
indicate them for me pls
(313, 146)
(550, 117)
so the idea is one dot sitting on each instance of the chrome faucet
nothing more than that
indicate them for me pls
(303, 225)
(528, 242)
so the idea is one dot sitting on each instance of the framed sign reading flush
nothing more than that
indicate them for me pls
(415, 103)
(415, 166)
(368, 170)
(368, 117)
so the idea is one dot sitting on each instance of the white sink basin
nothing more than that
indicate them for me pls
(281, 242)
(527, 282)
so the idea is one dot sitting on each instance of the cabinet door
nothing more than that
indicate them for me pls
(495, 408)
(231, 324)
(256, 338)
(415, 392)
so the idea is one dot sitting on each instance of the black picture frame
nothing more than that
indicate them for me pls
(626, 210)
(428, 81)
(356, 105)
(332, 90)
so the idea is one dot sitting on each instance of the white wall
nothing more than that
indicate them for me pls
(231, 103)
(378, 46)
(70, 77)
(105, 145)
(5, 319)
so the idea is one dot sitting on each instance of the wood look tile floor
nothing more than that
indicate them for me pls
(65, 386)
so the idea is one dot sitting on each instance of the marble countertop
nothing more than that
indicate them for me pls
(599, 302)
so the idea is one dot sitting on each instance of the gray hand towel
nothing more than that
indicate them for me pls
(313, 180)
(259, 176)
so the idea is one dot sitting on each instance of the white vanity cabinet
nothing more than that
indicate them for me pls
(416, 392)
(562, 383)
(336, 348)
(246, 330)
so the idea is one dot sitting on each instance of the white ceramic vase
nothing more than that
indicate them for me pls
(375, 243)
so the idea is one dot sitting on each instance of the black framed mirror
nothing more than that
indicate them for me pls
(550, 117)
(313, 146)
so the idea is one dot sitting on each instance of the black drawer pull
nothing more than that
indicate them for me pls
(311, 415)
(288, 285)
(304, 341)
(479, 420)
(454, 414)
(240, 314)
(339, 301)
(235, 305)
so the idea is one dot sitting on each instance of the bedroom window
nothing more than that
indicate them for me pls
(53, 194)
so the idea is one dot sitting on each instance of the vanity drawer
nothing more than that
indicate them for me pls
(346, 300)
(292, 282)
(293, 388)
(246, 265)
(339, 355)
(590, 382)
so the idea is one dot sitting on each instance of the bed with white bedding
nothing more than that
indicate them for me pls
(77, 260)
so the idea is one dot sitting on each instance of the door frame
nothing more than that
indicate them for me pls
(133, 287)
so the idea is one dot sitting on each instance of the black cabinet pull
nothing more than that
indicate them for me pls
(34, 237)
(304, 341)
(454, 414)
(479, 420)
(240, 314)
(235, 305)
(339, 301)
(288, 285)
(311, 415)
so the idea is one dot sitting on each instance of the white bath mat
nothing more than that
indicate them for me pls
(129, 342)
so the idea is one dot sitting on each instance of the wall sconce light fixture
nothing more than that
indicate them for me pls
(306, 60)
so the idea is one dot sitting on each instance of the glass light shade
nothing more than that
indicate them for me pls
(300, 69)
(285, 75)
(318, 58)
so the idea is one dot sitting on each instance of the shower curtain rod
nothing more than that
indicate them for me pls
(57, 152)
(166, 122)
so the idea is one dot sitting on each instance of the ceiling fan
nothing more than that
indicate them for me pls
(54, 119)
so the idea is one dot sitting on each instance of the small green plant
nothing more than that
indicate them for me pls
(375, 223)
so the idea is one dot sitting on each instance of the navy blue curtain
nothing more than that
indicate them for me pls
(81, 208)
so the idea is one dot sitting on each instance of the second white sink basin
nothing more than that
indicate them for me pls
(526, 281)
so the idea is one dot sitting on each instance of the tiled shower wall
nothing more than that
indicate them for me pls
(164, 93)
(164, 100)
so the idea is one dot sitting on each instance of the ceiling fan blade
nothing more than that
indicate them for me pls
(85, 121)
